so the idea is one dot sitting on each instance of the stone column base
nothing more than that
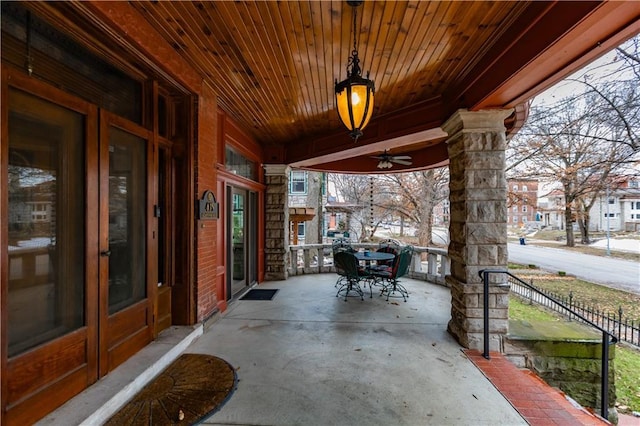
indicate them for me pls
(467, 314)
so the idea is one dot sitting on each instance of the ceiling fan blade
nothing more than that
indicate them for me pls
(403, 162)
(401, 157)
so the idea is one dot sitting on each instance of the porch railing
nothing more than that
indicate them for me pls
(607, 337)
(428, 263)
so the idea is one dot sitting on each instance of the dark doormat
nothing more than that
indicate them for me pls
(260, 294)
(191, 388)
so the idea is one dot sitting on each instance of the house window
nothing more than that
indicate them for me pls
(524, 209)
(515, 208)
(524, 188)
(298, 183)
(301, 231)
(637, 205)
(39, 212)
(238, 164)
(515, 187)
(612, 201)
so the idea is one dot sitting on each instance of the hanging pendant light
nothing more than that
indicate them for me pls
(354, 96)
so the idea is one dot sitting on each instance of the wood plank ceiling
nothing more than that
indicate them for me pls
(273, 65)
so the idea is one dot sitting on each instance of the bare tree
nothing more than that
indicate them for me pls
(565, 143)
(419, 193)
(354, 189)
(586, 138)
(412, 196)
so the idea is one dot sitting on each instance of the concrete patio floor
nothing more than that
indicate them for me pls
(307, 357)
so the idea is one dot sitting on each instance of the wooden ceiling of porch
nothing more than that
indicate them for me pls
(273, 65)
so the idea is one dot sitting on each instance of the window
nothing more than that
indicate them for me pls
(524, 219)
(637, 205)
(515, 187)
(515, 208)
(39, 212)
(239, 164)
(298, 184)
(612, 200)
(301, 230)
(524, 187)
(524, 209)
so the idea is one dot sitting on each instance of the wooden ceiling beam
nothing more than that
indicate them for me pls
(566, 37)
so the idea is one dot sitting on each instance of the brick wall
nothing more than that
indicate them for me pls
(206, 151)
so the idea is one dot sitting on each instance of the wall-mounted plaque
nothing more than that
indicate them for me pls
(209, 208)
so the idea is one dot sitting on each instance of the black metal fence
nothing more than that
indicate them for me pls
(624, 328)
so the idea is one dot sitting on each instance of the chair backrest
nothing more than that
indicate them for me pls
(401, 266)
(387, 249)
(341, 244)
(346, 264)
(405, 261)
(390, 242)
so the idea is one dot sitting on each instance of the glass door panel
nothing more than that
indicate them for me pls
(238, 217)
(46, 211)
(127, 224)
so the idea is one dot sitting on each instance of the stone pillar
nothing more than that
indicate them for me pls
(478, 225)
(276, 222)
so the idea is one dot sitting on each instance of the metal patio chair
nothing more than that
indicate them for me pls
(350, 275)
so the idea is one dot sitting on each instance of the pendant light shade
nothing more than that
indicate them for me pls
(354, 96)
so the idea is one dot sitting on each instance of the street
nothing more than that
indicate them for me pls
(614, 273)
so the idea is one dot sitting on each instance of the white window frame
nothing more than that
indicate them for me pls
(296, 178)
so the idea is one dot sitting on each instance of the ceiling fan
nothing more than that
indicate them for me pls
(387, 160)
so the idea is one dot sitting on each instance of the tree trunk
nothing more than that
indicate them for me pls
(569, 228)
(583, 223)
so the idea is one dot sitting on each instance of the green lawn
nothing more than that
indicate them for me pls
(627, 362)
(602, 298)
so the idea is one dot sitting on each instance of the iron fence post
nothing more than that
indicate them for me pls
(485, 282)
(604, 399)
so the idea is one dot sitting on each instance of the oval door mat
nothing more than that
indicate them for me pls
(194, 386)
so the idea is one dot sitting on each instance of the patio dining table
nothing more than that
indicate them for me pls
(373, 255)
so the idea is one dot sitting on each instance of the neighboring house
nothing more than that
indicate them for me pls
(522, 202)
(307, 196)
(551, 209)
(441, 213)
(619, 209)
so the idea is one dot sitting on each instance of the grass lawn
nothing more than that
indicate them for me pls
(627, 361)
(596, 296)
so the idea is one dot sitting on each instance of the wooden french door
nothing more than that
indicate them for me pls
(49, 247)
(78, 245)
(127, 236)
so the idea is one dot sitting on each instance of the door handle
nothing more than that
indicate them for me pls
(105, 253)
